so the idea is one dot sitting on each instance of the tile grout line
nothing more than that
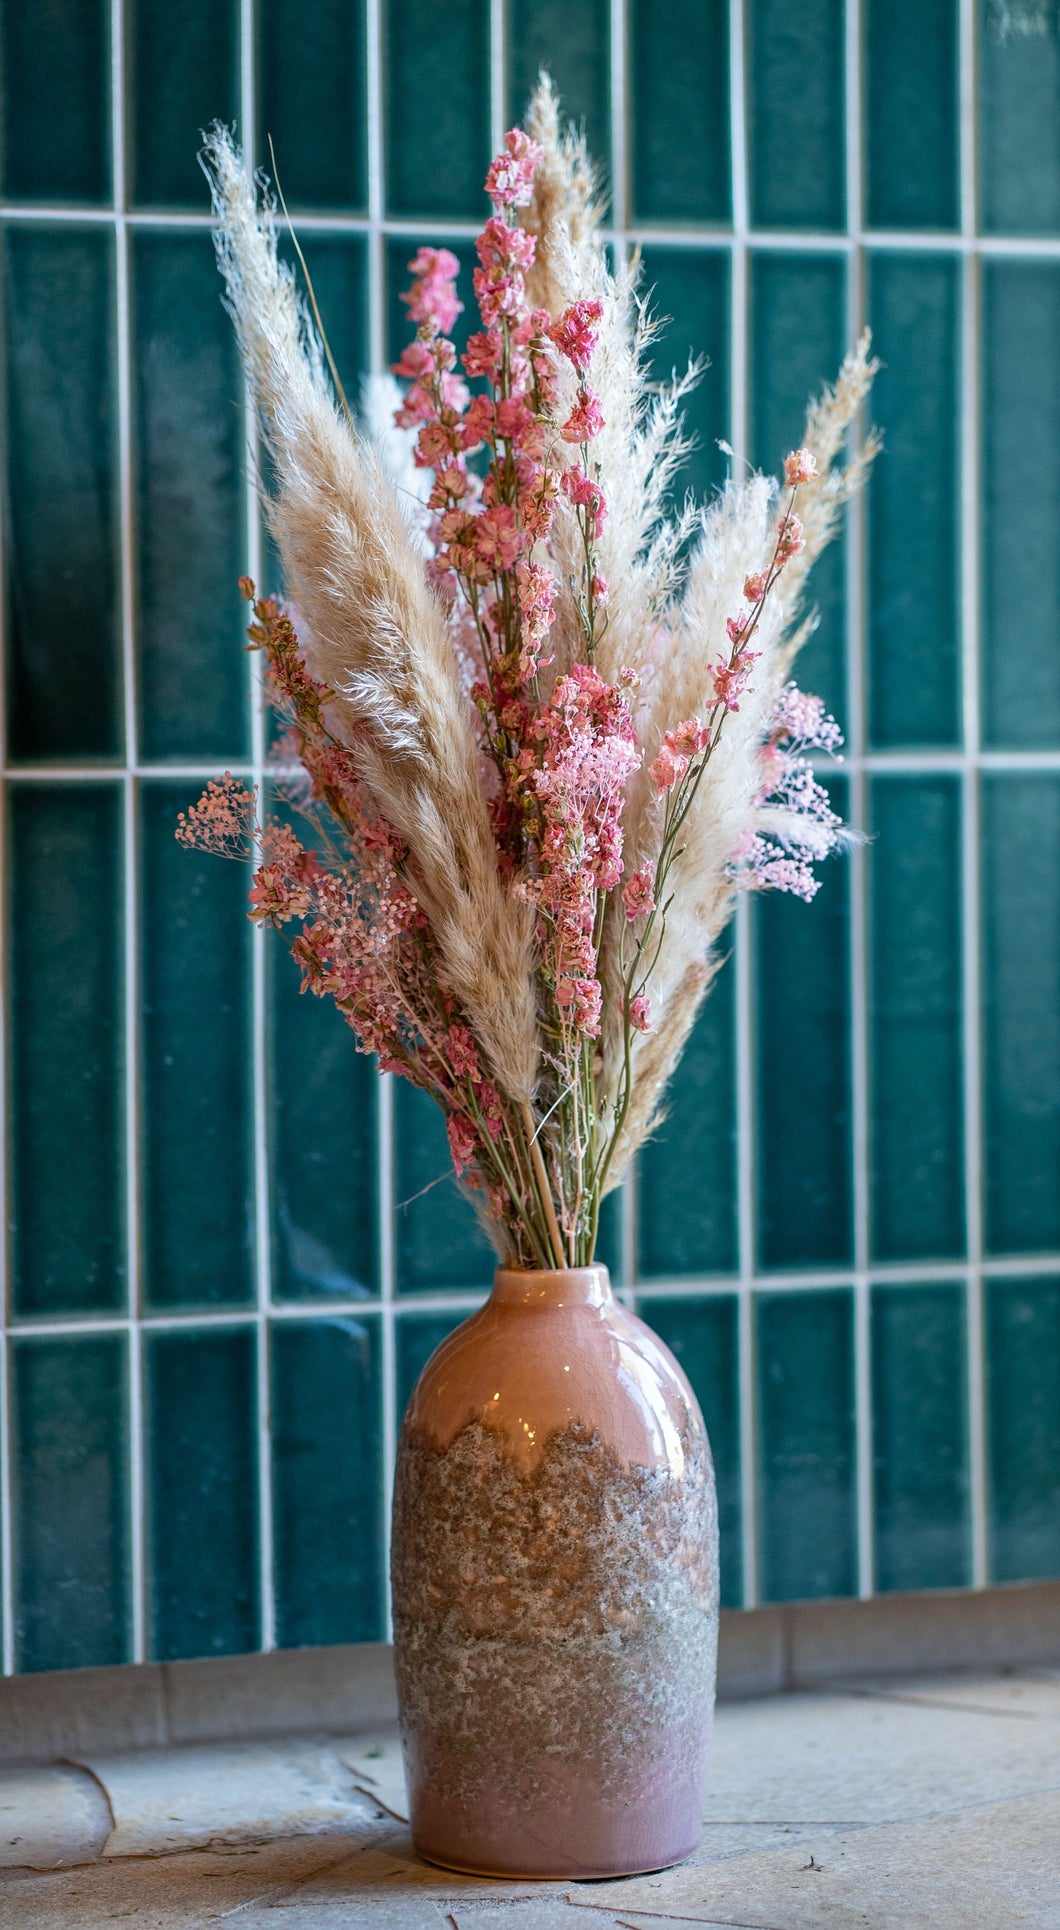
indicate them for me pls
(259, 939)
(619, 119)
(795, 240)
(7, 1578)
(130, 852)
(373, 226)
(970, 908)
(384, 1175)
(629, 1196)
(923, 762)
(7, 1463)
(858, 963)
(744, 1040)
(498, 74)
(713, 1286)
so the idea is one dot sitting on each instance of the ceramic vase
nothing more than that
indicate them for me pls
(555, 1585)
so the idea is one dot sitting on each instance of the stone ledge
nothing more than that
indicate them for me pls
(80, 1713)
(902, 1802)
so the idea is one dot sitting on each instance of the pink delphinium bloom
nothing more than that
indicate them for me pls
(638, 894)
(790, 539)
(576, 332)
(586, 494)
(432, 299)
(585, 420)
(510, 181)
(730, 678)
(640, 1013)
(667, 768)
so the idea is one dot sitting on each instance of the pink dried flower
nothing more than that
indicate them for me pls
(790, 539)
(730, 679)
(755, 587)
(689, 738)
(803, 719)
(463, 1142)
(638, 893)
(800, 467)
(275, 897)
(640, 1013)
(585, 420)
(484, 353)
(735, 626)
(584, 493)
(223, 820)
(432, 299)
(510, 181)
(582, 998)
(497, 538)
(575, 334)
(667, 768)
(414, 362)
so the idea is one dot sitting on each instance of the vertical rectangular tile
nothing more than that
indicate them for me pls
(67, 1117)
(804, 1206)
(55, 101)
(312, 100)
(570, 40)
(326, 1408)
(702, 1334)
(1021, 1011)
(63, 591)
(911, 114)
(416, 1336)
(914, 630)
(915, 1019)
(679, 112)
(796, 132)
(1023, 1428)
(798, 339)
(323, 1145)
(686, 1219)
(188, 424)
(436, 107)
(1021, 484)
(338, 267)
(920, 1438)
(1018, 70)
(70, 1502)
(202, 1492)
(688, 290)
(807, 1506)
(438, 1239)
(197, 1176)
(182, 73)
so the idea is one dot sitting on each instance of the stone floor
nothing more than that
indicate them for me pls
(897, 1805)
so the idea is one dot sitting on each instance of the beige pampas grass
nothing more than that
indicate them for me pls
(376, 635)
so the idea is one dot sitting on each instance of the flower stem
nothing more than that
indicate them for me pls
(544, 1188)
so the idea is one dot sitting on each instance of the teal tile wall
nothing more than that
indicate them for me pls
(228, 1248)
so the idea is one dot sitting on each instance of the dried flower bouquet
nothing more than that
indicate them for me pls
(542, 728)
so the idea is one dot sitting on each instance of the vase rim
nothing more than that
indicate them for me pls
(552, 1286)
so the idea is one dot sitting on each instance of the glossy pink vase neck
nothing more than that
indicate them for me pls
(551, 1287)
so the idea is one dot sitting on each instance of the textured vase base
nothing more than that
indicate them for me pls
(556, 1873)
